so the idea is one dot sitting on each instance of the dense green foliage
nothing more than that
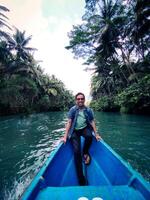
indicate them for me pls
(135, 98)
(114, 39)
(24, 88)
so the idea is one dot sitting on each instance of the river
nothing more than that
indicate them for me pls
(26, 141)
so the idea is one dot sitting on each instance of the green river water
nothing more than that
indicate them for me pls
(26, 141)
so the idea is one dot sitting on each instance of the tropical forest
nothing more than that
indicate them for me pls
(114, 41)
(24, 87)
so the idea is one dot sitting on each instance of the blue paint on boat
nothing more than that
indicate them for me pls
(109, 177)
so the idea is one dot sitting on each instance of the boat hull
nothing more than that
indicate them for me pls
(109, 177)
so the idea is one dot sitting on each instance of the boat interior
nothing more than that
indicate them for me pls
(108, 176)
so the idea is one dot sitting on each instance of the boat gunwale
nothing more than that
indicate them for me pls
(36, 180)
(134, 173)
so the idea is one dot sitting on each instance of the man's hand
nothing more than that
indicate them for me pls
(64, 139)
(98, 137)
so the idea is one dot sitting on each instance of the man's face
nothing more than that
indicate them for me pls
(80, 100)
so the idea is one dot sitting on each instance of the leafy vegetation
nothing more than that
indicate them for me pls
(24, 88)
(114, 40)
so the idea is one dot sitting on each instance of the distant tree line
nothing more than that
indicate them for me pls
(24, 88)
(114, 40)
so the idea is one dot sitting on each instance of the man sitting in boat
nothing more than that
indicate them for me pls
(80, 123)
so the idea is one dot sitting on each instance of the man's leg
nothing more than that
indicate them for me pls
(75, 139)
(87, 134)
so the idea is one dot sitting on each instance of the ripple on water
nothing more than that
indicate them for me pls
(58, 130)
(42, 128)
(18, 188)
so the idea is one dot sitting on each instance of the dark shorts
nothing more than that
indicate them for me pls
(85, 132)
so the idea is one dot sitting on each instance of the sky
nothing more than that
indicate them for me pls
(49, 21)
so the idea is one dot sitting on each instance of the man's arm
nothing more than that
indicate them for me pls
(68, 126)
(98, 137)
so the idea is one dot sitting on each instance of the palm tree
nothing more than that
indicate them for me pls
(18, 43)
(3, 23)
(139, 27)
(111, 20)
(5, 54)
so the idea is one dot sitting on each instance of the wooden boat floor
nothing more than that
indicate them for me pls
(123, 192)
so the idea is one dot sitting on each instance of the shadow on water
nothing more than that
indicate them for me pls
(26, 141)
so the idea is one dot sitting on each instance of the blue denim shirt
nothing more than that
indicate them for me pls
(73, 113)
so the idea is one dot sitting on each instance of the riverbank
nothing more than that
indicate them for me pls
(135, 99)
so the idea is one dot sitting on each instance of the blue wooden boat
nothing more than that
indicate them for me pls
(109, 177)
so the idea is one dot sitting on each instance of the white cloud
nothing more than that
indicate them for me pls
(57, 60)
(53, 20)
